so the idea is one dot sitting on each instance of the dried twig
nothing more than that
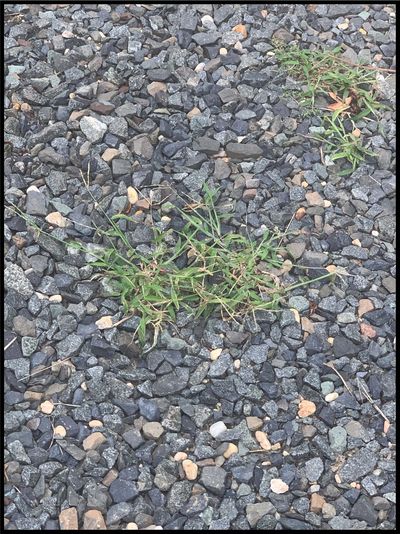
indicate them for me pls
(9, 344)
(44, 369)
(370, 400)
(330, 364)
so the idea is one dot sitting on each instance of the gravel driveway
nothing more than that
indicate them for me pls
(221, 426)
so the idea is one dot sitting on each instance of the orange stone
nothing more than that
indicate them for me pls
(68, 519)
(306, 408)
(367, 330)
(241, 28)
(93, 520)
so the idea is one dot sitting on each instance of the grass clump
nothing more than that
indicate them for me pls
(198, 268)
(349, 90)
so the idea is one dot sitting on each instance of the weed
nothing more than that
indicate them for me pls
(228, 272)
(325, 72)
(350, 87)
(340, 143)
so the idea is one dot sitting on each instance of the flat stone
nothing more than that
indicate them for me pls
(278, 486)
(243, 151)
(357, 466)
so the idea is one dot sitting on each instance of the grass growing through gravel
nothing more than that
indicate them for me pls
(351, 89)
(228, 272)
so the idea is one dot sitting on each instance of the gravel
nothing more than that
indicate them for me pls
(165, 98)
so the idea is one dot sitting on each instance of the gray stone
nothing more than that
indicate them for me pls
(123, 490)
(168, 384)
(206, 38)
(69, 346)
(206, 145)
(179, 495)
(14, 278)
(36, 203)
(254, 512)
(338, 439)
(358, 465)
(93, 129)
(314, 469)
(213, 478)
(117, 512)
(364, 511)
(243, 152)
(133, 437)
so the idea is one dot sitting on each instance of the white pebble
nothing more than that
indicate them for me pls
(217, 429)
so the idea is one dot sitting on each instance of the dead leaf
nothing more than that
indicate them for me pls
(133, 196)
(338, 106)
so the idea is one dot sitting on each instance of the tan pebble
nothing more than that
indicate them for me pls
(254, 423)
(109, 154)
(132, 526)
(331, 396)
(152, 430)
(32, 395)
(327, 203)
(93, 520)
(84, 386)
(190, 469)
(236, 364)
(104, 322)
(316, 503)
(330, 340)
(179, 456)
(230, 450)
(374, 233)
(300, 214)
(47, 407)
(223, 51)
(156, 87)
(306, 408)
(278, 486)
(275, 447)
(55, 298)
(25, 107)
(68, 519)
(338, 479)
(110, 477)
(93, 441)
(262, 439)
(314, 199)
(95, 423)
(356, 242)
(285, 453)
(215, 354)
(60, 432)
(56, 219)
(192, 113)
(132, 194)
(304, 184)
(364, 306)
